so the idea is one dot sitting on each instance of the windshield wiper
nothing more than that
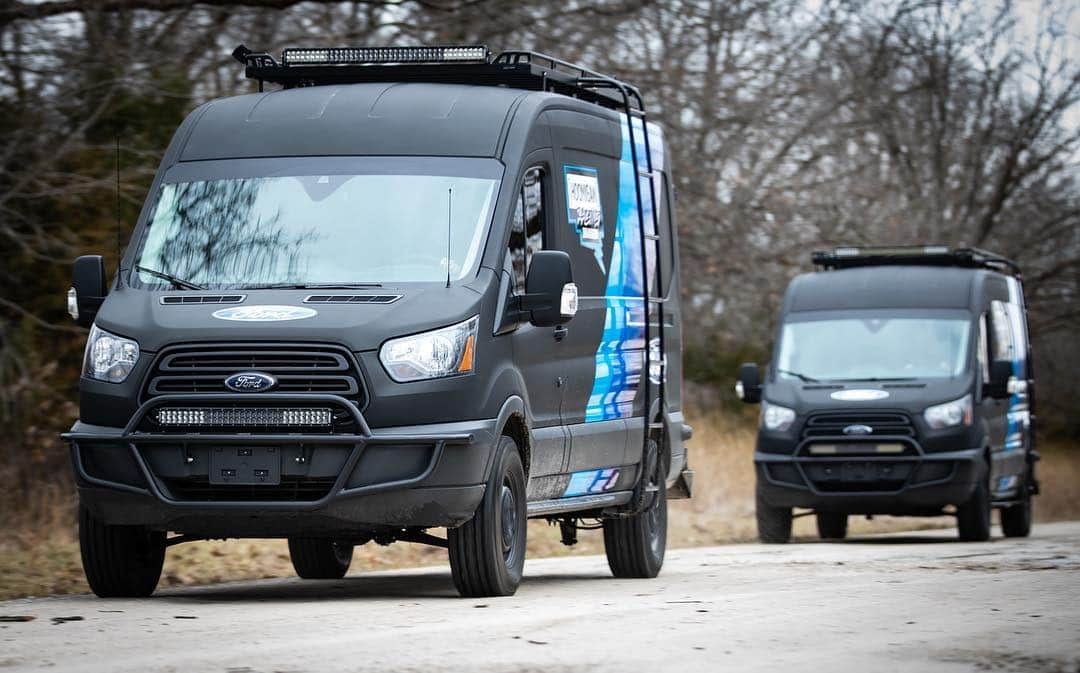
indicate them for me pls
(177, 282)
(802, 377)
(311, 286)
(876, 379)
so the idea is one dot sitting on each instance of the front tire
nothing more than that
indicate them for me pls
(773, 523)
(487, 553)
(973, 517)
(319, 559)
(831, 525)
(120, 561)
(635, 545)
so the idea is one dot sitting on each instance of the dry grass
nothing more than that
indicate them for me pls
(45, 559)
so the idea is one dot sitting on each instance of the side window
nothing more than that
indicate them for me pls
(1001, 341)
(527, 226)
(1019, 331)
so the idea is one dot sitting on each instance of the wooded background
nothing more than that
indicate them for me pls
(793, 125)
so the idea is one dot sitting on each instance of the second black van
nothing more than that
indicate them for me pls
(900, 383)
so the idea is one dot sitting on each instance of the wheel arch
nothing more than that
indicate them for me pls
(513, 422)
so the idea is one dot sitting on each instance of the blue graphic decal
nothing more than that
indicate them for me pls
(620, 355)
(591, 481)
(1018, 414)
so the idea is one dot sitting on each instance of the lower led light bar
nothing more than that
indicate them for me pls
(249, 417)
(477, 53)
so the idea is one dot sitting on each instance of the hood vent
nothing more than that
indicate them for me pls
(204, 299)
(351, 298)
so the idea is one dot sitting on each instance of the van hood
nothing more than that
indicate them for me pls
(283, 315)
(912, 396)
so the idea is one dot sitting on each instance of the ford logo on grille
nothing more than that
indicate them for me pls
(858, 429)
(250, 382)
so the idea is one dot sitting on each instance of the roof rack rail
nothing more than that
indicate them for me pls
(847, 257)
(449, 64)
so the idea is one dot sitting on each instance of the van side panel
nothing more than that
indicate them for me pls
(585, 181)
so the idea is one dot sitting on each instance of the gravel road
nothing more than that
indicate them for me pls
(914, 602)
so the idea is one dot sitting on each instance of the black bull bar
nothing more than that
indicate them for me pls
(131, 438)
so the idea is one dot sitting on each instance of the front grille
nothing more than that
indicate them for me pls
(829, 458)
(299, 368)
(883, 424)
(291, 489)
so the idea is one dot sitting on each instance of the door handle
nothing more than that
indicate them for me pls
(560, 332)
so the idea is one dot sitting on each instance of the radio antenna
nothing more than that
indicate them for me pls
(119, 243)
(449, 229)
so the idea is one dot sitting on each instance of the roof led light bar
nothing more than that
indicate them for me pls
(293, 57)
(896, 251)
(243, 417)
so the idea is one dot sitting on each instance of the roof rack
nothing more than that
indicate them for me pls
(847, 257)
(448, 64)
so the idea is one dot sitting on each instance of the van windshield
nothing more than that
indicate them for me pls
(320, 228)
(873, 348)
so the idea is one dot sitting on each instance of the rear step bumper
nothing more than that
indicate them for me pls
(683, 488)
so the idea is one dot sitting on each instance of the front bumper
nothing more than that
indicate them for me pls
(910, 485)
(330, 484)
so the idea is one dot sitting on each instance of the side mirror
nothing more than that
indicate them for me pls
(551, 297)
(88, 289)
(748, 387)
(1000, 377)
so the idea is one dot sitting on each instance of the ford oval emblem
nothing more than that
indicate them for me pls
(863, 395)
(858, 429)
(264, 313)
(250, 382)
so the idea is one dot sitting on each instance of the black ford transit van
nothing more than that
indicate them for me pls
(410, 288)
(900, 383)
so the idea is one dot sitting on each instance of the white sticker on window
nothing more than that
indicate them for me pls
(583, 203)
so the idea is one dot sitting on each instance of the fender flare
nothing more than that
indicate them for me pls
(511, 407)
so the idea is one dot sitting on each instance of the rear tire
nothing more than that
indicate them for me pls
(120, 561)
(635, 545)
(319, 559)
(831, 525)
(773, 523)
(1016, 520)
(973, 517)
(487, 553)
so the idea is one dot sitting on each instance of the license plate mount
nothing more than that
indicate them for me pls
(858, 471)
(245, 465)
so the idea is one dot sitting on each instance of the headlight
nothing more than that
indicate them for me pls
(109, 357)
(776, 417)
(443, 352)
(949, 414)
